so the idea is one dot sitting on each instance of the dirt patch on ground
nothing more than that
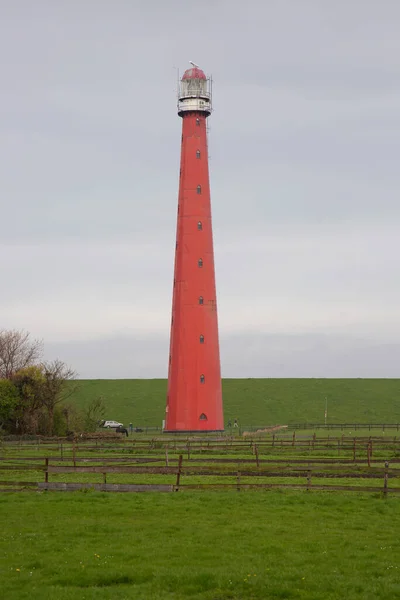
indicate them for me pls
(266, 430)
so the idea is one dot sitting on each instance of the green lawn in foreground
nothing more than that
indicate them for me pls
(209, 546)
(257, 401)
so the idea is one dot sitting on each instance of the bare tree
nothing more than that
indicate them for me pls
(17, 351)
(57, 387)
(94, 414)
(30, 383)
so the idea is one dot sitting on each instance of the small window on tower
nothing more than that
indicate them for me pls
(199, 189)
(200, 262)
(202, 339)
(203, 417)
(199, 225)
(202, 378)
(197, 153)
(201, 300)
(197, 121)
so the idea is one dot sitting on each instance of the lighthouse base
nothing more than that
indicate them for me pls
(196, 431)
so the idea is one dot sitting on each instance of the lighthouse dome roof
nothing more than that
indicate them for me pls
(194, 73)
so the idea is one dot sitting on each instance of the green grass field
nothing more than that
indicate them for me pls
(202, 545)
(211, 546)
(257, 401)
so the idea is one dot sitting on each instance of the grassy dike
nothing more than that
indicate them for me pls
(257, 401)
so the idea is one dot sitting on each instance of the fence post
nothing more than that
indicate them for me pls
(385, 479)
(256, 453)
(61, 451)
(74, 453)
(166, 457)
(188, 449)
(369, 454)
(238, 481)
(104, 477)
(308, 479)
(354, 450)
(294, 438)
(273, 440)
(46, 473)
(178, 474)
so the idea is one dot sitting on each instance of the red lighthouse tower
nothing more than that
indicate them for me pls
(194, 400)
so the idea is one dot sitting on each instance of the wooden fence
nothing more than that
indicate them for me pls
(225, 443)
(305, 471)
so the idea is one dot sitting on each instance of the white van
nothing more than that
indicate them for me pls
(111, 424)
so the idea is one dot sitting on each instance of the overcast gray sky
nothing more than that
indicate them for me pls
(304, 159)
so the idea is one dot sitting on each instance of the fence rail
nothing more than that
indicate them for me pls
(343, 426)
(228, 431)
(188, 469)
(281, 459)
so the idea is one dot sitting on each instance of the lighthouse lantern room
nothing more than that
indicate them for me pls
(194, 92)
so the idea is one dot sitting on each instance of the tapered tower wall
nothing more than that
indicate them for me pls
(194, 397)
